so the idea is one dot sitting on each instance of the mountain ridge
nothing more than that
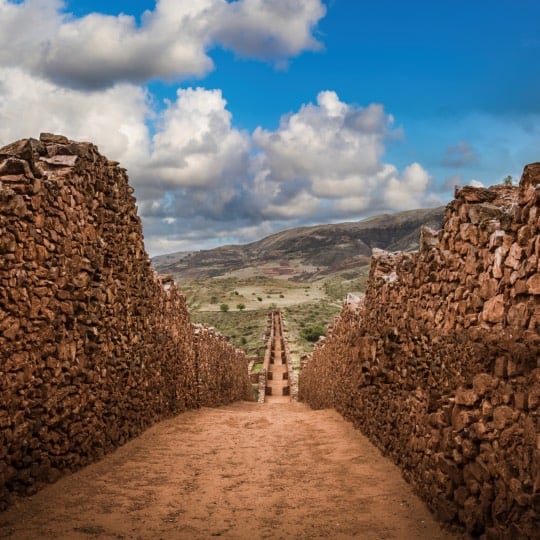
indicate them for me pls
(307, 252)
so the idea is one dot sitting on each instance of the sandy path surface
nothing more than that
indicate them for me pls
(245, 471)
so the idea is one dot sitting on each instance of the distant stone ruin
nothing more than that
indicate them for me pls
(439, 365)
(94, 346)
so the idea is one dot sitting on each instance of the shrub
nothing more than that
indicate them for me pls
(224, 307)
(312, 333)
(240, 306)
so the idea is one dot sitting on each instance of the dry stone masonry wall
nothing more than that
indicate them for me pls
(439, 364)
(94, 347)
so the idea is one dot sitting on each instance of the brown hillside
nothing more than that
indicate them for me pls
(307, 252)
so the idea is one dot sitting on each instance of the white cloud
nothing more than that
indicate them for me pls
(98, 51)
(475, 183)
(269, 29)
(103, 49)
(114, 119)
(25, 31)
(328, 157)
(333, 145)
(407, 191)
(195, 145)
(200, 180)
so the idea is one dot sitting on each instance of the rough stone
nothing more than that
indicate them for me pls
(94, 346)
(493, 310)
(533, 284)
(455, 330)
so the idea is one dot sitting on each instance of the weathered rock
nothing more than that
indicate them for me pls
(444, 376)
(476, 195)
(466, 396)
(533, 284)
(483, 383)
(502, 416)
(52, 138)
(493, 311)
(94, 347)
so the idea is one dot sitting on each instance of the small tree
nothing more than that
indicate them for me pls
(508, 181)
(240, 307)
(224, 308)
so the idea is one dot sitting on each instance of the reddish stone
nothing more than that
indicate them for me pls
(502, 416)
(493, 311)
(466, 397)
(533, 284)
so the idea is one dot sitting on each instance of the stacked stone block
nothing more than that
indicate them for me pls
(94, 346)
(221, 369)
(440, 364)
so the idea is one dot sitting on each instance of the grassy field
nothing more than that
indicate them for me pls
(238, 307)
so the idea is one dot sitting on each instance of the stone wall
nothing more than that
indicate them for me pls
(222, 369)
(94, 347)
(439, 364)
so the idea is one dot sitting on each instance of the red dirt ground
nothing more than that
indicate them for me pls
(246, 471)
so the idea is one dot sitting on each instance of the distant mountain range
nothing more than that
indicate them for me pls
(305, 252)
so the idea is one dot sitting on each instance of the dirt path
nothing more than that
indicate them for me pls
(245, 471)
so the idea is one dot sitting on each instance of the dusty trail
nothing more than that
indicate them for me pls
(245, 471)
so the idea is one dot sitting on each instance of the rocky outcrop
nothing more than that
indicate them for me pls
(440, 363)
(94, 346)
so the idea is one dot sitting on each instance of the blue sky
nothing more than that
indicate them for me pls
(238, 119)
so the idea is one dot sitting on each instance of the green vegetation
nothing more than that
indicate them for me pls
(257, 367)
(337, 288)
(304, 320)
(308, 307)
(312, 333)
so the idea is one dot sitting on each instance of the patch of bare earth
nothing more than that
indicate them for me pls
(244, 471)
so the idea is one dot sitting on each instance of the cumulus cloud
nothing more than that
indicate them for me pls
(269, 29)
(327, 158)
(195, 145)
(114, 118)
(459, 155)
(198, 162)
(198, 179)
(405, 191)
(171, 43)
